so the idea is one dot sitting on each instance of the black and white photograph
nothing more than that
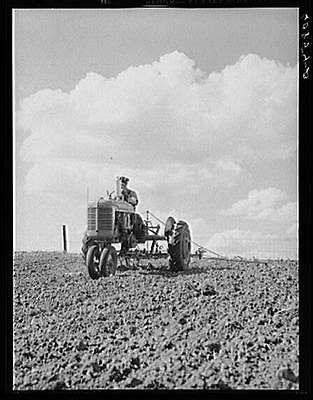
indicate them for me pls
(155, 198)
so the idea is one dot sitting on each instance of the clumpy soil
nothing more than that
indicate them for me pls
(220, 325)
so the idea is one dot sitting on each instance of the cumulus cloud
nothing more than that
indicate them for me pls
(264, 204)
(249, 244)
(162, 122)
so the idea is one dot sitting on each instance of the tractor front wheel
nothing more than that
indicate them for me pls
(108, 261)
(179, 247)
(92, 262)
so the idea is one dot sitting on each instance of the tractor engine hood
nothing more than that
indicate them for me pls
(119, 205)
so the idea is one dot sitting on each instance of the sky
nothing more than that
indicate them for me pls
(197, 107)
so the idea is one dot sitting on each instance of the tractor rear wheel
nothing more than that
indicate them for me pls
(179, 247)
(108, 261)
(92, 262)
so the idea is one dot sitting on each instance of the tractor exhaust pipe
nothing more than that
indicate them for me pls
(118, 188)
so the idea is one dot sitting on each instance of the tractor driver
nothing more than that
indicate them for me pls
(129, 195)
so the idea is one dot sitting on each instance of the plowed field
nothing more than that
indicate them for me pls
(220, 325)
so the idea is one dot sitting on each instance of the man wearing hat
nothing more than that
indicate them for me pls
(129, 195)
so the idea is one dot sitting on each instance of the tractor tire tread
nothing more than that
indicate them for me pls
(89, 262)
(175, 247)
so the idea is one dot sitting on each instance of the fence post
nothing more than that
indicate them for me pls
(64, 233)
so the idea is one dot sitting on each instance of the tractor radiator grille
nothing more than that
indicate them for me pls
(100, 219)
(91, 219)
(105, 219)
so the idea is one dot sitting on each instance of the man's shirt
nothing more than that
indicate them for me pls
(130, 196)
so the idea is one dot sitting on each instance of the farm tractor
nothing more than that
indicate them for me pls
(114, 221)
